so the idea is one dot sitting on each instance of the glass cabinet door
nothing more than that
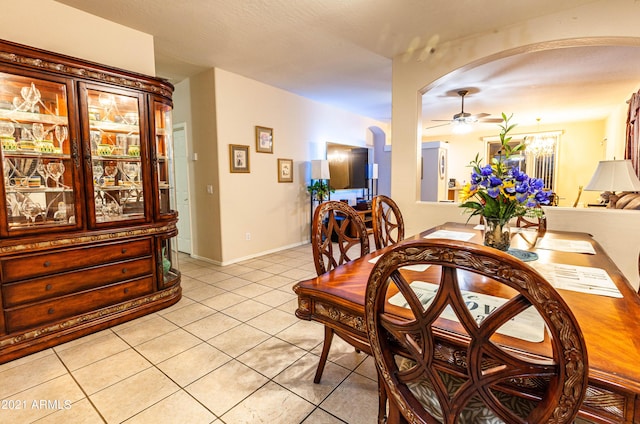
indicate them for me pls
(39, 160)
(118, 187)
(168, 261)
(163, 159)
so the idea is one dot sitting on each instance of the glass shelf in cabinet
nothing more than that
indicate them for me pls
(41, 189)
(30, 117)
(34, 154)
(137, 188)
(117, 158)
(114, 127)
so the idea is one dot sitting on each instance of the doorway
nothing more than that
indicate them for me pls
(183, 205)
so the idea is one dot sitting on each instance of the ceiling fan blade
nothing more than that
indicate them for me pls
(436, 126)
(465, 117)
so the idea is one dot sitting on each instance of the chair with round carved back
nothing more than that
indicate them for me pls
(388, 224)
(339, 235)
(443, 361)
(537, 223)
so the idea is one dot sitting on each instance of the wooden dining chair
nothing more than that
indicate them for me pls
(575, 203)
(539, 224)
(388, 224)
(460, 368)
(339, 235)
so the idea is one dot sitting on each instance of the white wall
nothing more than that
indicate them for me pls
(410, 76)
(275, 215)
(52, 26)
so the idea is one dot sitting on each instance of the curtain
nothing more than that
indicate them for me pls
(632, 148)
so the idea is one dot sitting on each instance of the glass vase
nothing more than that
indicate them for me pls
(497, 235)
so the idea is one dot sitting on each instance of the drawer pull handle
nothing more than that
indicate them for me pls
(124, 270)
(126, 291)
(50, 311)
(124, 250)
(48, 287)
(46, 264)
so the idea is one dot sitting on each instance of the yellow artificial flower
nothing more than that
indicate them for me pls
(466, 192)
(507, 184)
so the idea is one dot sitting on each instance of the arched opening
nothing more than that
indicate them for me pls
(575, 87)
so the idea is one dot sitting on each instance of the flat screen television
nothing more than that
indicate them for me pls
(347, 166)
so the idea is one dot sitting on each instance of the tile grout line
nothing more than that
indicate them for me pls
(95, 408)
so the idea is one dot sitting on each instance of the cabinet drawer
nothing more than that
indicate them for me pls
(49, 311)
(41, 288)
(29, 266)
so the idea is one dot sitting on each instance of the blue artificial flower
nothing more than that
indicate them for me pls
(518, 175)
(475, 178)
(542, 197)
(494, 181)
(523, 188)
(536, 183)
(522, 197)
(494, 192)
(486, 170)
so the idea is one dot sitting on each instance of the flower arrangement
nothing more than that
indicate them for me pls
(498, 192)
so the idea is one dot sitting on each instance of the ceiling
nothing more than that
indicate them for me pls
(562, 85)
(339, 52)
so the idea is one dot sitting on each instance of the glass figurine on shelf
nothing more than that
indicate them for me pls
(61, 213)
(166, 263)
(61, 132)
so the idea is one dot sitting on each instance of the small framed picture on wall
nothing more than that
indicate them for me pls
(285, 170)
(264, 140)
(239, 158)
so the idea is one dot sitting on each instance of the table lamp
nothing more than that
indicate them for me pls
(372, 176)
(612, 176)
(320, 169)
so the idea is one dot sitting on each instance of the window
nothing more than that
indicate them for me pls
(538, 160)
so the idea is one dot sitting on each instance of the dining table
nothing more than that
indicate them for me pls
(605, 305)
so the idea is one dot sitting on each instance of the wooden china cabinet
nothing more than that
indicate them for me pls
(87, 228)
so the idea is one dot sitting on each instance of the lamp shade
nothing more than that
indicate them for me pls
(320, 169)
(614, 175)
(372, 171)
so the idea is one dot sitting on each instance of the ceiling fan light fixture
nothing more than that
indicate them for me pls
(461, 127)
(464, 117)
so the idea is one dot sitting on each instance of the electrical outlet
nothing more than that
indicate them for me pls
(247, 236)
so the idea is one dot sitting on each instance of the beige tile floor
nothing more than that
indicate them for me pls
(231, 351)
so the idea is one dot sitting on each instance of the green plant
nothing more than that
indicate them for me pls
(319, 190)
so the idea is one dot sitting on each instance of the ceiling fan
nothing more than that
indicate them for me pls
(463, 117)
